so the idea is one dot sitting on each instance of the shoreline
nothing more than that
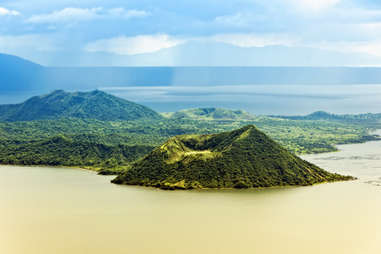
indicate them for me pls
(109, 172)
(98, 170)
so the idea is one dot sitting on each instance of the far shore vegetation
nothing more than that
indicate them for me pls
(98, 131)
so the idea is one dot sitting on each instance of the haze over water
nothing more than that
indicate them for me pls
(257, 99)
(267, 99)
(59, 210)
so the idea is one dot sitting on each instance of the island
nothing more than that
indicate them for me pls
(242, 158)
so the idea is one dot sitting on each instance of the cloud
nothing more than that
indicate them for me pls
(133, 45)
(355, 14)
(344, 26)
(372, 48)
(254, 40)
(70, 15)
(337, 25)
(274, 13)
(237, 19)
(32, 42)
(368, 47)
(65, 15)
(7, 12)
(313, 5)
(121, 12)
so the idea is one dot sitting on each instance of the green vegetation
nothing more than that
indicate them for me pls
(111, 135)
(210, 114)
(243, 158)
(367, 119)
(77, 151)
(26, 142)
(89, 105)
(314, 136)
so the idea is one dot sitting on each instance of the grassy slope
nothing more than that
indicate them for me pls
(243, 158)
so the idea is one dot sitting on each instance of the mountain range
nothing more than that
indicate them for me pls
(210, 53)
(21, 76)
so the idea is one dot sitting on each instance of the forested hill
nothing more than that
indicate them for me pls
(370, 119)
(242, 158)
(81, 151)
(85, 105)
(210, 114)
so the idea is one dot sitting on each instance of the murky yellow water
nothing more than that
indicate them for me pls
(51, 210)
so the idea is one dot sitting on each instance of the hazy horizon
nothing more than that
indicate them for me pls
(256, 99)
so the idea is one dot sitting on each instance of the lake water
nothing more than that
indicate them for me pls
(55, 210)
(257, 99)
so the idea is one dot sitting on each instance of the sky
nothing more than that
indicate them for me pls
(197, 32)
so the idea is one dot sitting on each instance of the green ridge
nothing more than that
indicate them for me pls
(210, 114)
(85, 105)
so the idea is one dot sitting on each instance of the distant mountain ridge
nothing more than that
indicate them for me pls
(92, 105)
(322, 115)
(20, 75)
(15, 62)
(210, 114)
(243, 158)
(213, 53)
